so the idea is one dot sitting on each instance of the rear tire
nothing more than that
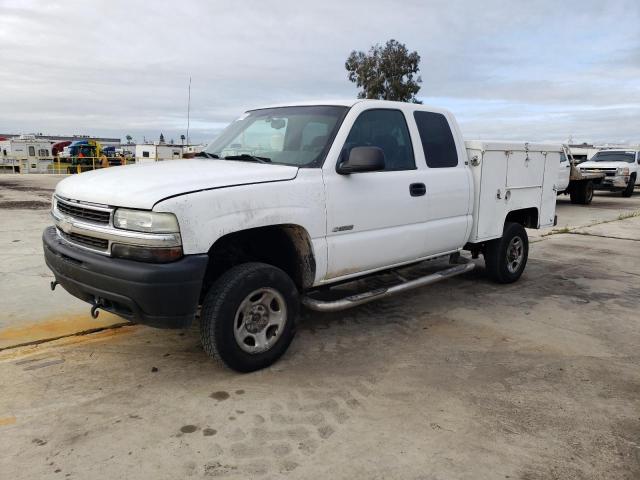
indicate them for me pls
(582, 193)
(627, 192)
(506, 257)
(249, 316)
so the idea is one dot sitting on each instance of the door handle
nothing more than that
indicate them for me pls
(417, 189)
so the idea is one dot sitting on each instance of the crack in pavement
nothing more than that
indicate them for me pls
(570, 230)
(587, 234)
(75, 334)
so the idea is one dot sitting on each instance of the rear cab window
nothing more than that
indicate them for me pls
(437, 139)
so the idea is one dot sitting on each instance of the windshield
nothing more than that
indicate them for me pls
(298, 136)
(628, 157)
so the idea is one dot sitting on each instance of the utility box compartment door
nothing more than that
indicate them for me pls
(493, 170)
(523, 170)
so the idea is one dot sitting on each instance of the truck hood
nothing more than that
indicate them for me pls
(144, 185)
(604, 164)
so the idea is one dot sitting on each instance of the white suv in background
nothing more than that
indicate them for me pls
(621, 169)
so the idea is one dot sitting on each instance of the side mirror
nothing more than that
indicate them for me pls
(361, 159)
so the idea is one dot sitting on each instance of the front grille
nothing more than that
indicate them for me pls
(85, 240)
(609, 172)
(83, 212)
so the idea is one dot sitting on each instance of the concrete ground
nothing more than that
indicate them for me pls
(29, 310)
(464, 379)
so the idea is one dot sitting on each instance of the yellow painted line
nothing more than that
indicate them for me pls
(54, 327)
(7, 421)
(79, 338)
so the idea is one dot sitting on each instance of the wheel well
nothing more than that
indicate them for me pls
(527, 217)
(287, 247)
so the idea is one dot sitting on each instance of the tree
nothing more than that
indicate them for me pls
(386, 73)
(182, 137)
(161, 138)
(129, 138)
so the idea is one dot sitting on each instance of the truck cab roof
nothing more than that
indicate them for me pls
(350, 102)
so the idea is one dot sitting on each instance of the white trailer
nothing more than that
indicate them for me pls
(26, 154)
(149, 153)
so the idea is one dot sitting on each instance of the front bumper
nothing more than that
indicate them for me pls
(619, 182)
(160, 295)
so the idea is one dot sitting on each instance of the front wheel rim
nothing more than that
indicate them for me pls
(260, 320)
(515, 254)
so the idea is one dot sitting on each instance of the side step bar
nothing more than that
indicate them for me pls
(377, 294)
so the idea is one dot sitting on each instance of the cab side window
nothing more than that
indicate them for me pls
(437, 140)
(386, 129)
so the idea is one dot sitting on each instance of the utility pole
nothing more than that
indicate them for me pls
(188, 110)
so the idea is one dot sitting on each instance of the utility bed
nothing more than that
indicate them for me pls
(511, 176)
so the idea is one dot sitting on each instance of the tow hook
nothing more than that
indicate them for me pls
(94, 308)
(53, 285)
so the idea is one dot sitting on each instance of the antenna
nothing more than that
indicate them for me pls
(188, 110)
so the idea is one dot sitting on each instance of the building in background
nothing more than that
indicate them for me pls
(156, 152)
(583, 151)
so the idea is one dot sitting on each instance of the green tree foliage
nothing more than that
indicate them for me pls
(388, 72)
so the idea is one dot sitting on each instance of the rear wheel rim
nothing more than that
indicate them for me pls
(589, 193)
(515, 254)
(260, 320)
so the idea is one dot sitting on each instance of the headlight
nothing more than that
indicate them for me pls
(622, 171)
(145, 221)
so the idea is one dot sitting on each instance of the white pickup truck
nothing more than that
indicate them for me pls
(621, 169)
(287, 202)
(578, 184)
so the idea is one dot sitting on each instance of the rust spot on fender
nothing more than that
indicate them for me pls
(307, 261)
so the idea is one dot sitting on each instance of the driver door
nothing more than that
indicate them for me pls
(376, 219)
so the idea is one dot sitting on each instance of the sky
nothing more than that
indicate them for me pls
(533, 70)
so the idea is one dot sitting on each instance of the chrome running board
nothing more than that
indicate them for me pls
(379, 293)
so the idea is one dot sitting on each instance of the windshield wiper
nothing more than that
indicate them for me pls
(249, 158)
(206, 155)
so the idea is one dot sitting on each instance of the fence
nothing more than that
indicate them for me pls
(59, 165)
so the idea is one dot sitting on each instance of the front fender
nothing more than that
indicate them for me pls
(207, 216)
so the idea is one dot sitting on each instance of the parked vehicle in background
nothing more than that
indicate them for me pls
(25, 154)
(575, 183)
(84, 155)
(621, 169)
(287, 203)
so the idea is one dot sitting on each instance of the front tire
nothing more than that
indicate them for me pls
(627, 192)
(249, 316)
(506, 257)
(582, 193)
